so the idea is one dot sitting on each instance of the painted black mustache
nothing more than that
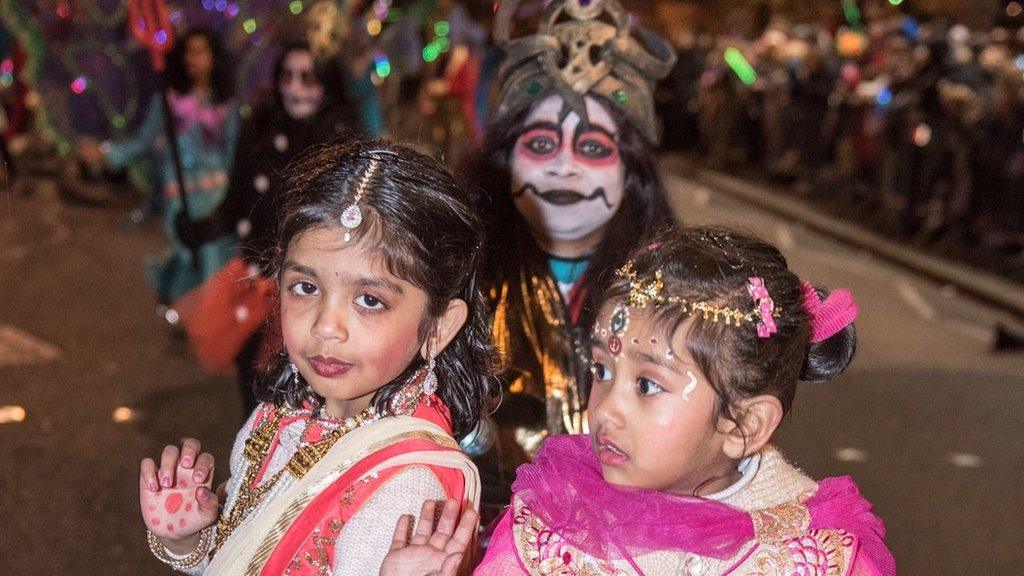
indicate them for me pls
(563, 197)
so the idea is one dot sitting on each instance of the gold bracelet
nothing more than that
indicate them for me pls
(192, 560)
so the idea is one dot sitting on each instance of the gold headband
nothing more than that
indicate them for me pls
(650, 291)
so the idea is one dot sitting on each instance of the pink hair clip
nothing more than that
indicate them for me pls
(765, 306)
(831, 315)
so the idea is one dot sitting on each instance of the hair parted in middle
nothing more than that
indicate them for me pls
(713, 267)
(416, 217)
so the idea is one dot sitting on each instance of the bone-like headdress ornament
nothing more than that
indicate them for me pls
(583, 47)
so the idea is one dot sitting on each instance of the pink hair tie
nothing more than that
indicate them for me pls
(831, 315)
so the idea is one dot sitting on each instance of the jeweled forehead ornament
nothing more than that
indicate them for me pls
(649, 291)
(582, 47)
(352, 216)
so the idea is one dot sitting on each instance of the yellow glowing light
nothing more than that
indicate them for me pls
(373, 26)
(123, 414)
(11, 414)
(249, 26)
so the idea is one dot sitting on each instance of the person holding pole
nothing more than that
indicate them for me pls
(203, 118)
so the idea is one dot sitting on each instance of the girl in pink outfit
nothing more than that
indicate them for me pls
(697, 349)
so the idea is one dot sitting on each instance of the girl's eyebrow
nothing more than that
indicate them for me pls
(362, 281)
(379, 282)
(656, 360)
(543, 125)
(300, 268)
(583, 128)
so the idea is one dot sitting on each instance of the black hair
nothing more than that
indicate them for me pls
(330, 74)
(489, 178)
(222, 86)
(713, 265)
(415, 214)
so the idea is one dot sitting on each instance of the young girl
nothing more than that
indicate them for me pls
(386, 357)
(697, 350)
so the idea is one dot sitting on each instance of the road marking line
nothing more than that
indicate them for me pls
(18, 348)
(916, 301)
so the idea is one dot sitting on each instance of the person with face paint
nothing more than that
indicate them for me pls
(307, 106)
(567, 184)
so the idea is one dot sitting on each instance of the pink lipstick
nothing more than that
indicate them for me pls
(329, 367)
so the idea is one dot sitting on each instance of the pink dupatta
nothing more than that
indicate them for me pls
(564, 487)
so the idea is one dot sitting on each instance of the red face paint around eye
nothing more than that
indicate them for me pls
(539, 144)
(596, 149)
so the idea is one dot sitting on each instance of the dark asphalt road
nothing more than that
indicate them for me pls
(927, 420)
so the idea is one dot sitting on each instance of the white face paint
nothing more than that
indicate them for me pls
(690, 386)
(301, 91)
(567, 179)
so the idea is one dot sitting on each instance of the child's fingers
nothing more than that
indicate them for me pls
(446, 524)
(189, 450)
(401, 535)
(208, 501)
(147, 475)
(463, 535)
(426, 524)
(203, 468)
(168, 465)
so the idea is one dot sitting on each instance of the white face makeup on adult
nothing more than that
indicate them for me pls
(568, 179)
(301, 92)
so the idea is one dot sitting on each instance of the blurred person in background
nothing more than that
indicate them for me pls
(201, 98)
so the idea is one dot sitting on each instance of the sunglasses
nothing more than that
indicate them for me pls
(306, 77)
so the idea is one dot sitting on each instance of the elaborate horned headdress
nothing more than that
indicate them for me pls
(583, 47)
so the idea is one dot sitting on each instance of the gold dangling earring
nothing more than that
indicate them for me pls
(430, 380)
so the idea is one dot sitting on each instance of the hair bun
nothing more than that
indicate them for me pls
(829, 358)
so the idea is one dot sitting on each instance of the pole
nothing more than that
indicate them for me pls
(150, 24)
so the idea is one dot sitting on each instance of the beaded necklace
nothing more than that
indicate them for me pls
(257, 448)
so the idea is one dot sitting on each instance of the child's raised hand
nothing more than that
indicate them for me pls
(176, 499)
(431, 551)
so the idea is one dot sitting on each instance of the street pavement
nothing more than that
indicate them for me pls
(927, 420)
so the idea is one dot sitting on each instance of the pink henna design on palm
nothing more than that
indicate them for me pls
(175, 512)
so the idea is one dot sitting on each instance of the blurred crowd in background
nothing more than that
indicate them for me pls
(910, 124)
(907, 121)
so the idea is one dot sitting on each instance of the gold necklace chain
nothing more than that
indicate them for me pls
(257, 448)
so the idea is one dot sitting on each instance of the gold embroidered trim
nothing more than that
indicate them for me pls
(773, 526)
(282, 524)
